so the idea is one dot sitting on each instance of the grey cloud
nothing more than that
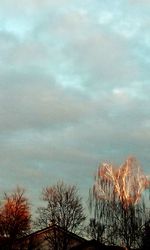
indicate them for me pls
(102, 56)
(107, 58)
(7, 44)
(99, 58)
(49, 130)
(35, 102)
(27, 5)
(139, 1)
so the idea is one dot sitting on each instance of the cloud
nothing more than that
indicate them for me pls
(27, 5)
(94, 57)
(139, 1)
(33, 101)
(106, 58)
(74, 90)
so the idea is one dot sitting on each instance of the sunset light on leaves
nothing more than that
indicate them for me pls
(126, 183)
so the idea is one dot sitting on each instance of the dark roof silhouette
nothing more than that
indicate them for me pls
(42, 238)
(95, 245)
(52, 228)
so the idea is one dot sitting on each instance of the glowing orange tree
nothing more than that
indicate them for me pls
(117, 204)
(126, 183)
(14, 217)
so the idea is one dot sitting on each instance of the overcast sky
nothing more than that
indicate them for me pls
(74, 89)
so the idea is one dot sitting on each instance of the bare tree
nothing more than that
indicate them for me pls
(14, 217)
(112, 224)
(116, 204)
(146, 236)
(102, 221)
(63, 209)
(129, 223)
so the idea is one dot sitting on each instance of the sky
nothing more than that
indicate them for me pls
(74, 90)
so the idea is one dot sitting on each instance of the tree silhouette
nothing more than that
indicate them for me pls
(146, 236)
(116, 204)
(14, 217)
(64, 209)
